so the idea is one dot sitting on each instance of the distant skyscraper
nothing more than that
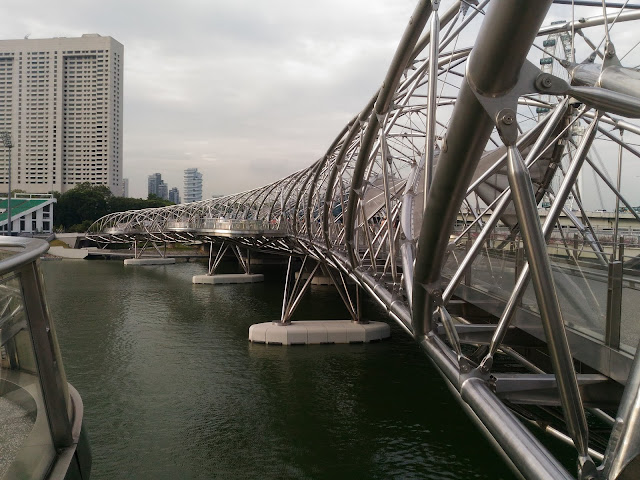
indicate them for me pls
(174, 195)
(154, 181)
(192, 185)
(157, 186)
(163, 190)
(61, 100)
(125, 187)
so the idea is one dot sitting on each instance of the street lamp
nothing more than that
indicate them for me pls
(5, 137)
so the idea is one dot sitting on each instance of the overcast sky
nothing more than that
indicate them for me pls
(246, 91)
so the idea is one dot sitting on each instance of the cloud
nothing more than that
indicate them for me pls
(253, 90)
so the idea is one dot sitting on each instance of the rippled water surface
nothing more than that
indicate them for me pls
(173, 390)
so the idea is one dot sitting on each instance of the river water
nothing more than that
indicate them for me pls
(172, 389)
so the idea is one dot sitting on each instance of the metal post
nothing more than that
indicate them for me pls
(617, 220)
(6, 140)
(297, 292)
(519, 261)
(286, 288)
(343, 291)
(210, 255)
(9, 222)
(52, 378)
(614, 304)
(467, 274)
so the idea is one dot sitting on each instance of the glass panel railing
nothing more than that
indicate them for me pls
(582, 291)
(39, 423)
(579, 274)
(27, 446)
(630, 315)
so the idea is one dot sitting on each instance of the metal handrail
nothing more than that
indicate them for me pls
(32, 248)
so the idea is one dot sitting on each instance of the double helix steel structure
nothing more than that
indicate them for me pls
(457, 198)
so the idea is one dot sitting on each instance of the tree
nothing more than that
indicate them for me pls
(79, 207)
(154, 201)
(84, 202)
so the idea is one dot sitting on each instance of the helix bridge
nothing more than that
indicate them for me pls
(458, 198)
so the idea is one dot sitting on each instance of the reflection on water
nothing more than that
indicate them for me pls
(173, 389)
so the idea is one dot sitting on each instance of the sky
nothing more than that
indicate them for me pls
(244, 90)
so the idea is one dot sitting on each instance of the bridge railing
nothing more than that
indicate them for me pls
(45, 413)
(598, 296)
(240, 226)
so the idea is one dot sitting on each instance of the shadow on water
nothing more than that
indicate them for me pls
(173, 389)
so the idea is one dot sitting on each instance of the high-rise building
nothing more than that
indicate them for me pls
(163, 190)
(154, 181)
(125, 187)
(157, 186)
(61, 101)
(192, 185)
(174, 195)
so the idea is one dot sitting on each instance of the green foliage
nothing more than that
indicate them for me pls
(79, 207)
(122, 204)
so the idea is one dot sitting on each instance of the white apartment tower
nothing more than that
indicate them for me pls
(192, 185)
(61, 100)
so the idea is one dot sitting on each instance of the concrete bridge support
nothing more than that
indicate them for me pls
(161, 259)
(214, 262)
(314, 332)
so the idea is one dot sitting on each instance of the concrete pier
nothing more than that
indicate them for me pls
(313, 332)
(149, 261)
(228, 278)
(76, 253)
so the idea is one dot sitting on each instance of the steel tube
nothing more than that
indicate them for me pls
(588, 22)
(430, 136)
(617, 219)
(389, 212)
(397, 67)
(508, 31)
(500, 162)
(353, 132)
(538, 147)
(286, 288)
(586, 233)
(521, 447)
(544, 286)
(9, 222)
(50, 371)
(321, 166)
(552, 218)
(624, 442)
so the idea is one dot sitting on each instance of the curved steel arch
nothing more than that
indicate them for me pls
(429, 200)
